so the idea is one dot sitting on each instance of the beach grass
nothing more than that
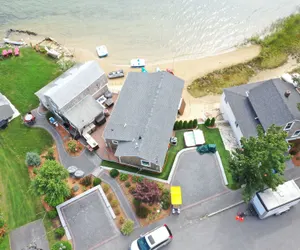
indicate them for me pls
(20, 77)
(282, 42)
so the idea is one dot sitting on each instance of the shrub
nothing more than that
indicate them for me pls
(175, 125)
(50, 154)
(185, 125)
(59, 232)
(166, 201)
(75, 188)
(121, 220)
(52, 214)
(190, 124)
(65, 245)
(147, 191)
(142, 212)
(123, 177)
(72, 146)
(32, 159)
(110, 196)
(212, 122)
(134, 179)
(2, 220)
(136, 203)
(114, 173)
(127, 184)
(117, 211)
(86, 181)
(105, 188)
(35, 170)
(114, 203)
(180, 125)
(161, 186)
(140, 179)
(132, 190)
(207, 122)
(96, 181)
(127, 227)
(166, 191)
(195, 123)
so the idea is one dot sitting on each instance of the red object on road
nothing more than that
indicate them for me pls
(237, 217)
(241, 219)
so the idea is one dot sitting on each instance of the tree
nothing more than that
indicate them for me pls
(65, 245)
(207, 122)
(179, 125)
(260, 163)
(212, 122)
(50, 154)
(147, 191)
(72, 146)
(185, 125)
(195, 123)
(32, 159)
(127, 227)
(175, 125)
(190, 124)
(50, 181)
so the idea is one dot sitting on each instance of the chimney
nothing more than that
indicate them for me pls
(287, 93)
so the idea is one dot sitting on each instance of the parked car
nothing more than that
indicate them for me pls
(154, 239)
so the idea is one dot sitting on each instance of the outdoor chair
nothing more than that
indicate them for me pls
(16, 51)
(9, 52)
(4, 53)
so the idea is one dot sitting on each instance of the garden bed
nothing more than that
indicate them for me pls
(156, 212)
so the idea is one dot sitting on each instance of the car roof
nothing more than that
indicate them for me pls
(159, 235)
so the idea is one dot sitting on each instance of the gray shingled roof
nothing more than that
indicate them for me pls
(266, 101)
(5, 110)
(146, 108)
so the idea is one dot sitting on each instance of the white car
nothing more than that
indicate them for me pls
(153, 240)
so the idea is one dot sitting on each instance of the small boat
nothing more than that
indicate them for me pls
(116, 74)
(158, 69)
(102, 51)
(144, 70)
(137, 63)
(290, 78)
(53, 53)
(18, 43)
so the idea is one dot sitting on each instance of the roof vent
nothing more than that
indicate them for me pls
(125, 125)
(136, 145)
(140, 137)
(287, 93)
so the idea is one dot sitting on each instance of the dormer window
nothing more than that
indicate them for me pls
(288, 126)
(296, 133)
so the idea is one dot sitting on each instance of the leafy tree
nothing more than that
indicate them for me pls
(175, 125)
(32, 159)
(52, 214)
(50, 154)
(260, 162)
(72, 146)
(180, 125)
(207, 122)
(59, 232)
(65, 245)
(114, 173)
(96, 181)
(212, 122)
(127, 227)
(190, 124)
(185, 125)
(50, 181)
(195, 123)
(147, 191)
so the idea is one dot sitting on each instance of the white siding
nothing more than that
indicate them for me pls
(229, 116)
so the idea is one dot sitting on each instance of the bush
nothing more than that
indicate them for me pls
(75, 188)
(123, 177)
(50, 154)
(72, 146)
(35, 170)
(175, 125)
(136, 203)
(105, 188)
(32, 159)
(110, 196)
(180, 125)
(65, 245)
(166, 201)
(166, 191)
(127, 227)
(2, 220)
(114, 173)
(212, 122)
(142, 212)
(86, 181)
(127, 184)
(190, 124)
(134, 179)
(195, 123)
(207, 122)
(132, 190)
(52, 214)
(121, 220)
(117, 211)
(59, 232)
(140, 179)
(114, 203)
(96, 181)
(161, 186)
(185, 125)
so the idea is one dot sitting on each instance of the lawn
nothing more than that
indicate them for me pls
(171, 154)
(282, 42)
(19, 79)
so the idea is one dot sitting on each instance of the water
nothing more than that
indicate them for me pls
(156, 30)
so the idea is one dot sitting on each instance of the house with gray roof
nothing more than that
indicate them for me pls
(72, 97)
(6, 111)
(268, 102)
(141, 123)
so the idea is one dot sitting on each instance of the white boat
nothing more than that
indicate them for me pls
(102, 51)
(137, 63)
(290, 78)
(53, 53)
(18, 43)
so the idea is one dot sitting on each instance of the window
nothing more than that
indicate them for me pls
(288, 126)
(115, 142)
(236, 124)
(145, 163)
(296, 133)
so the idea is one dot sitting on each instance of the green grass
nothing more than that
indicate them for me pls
(20, 77)
(284, 41)
(171, 154)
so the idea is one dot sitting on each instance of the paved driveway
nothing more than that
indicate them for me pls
(89, 221)
(199, 177)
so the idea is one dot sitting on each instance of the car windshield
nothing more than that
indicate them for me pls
(142, 243)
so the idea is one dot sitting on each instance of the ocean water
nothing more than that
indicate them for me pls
(156, 30)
